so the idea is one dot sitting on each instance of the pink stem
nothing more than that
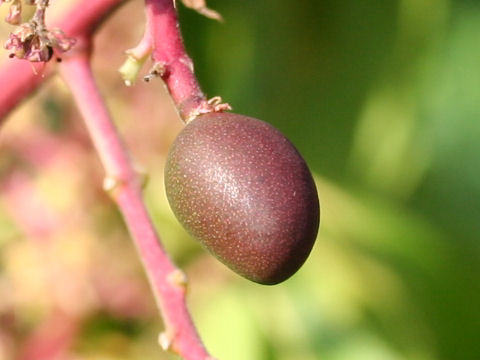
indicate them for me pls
(145, 46)
(17, 78)
(167, 281)
(176, 68)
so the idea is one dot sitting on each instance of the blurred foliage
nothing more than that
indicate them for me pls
(383, 100)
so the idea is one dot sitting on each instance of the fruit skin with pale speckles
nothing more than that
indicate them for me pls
(242, 189)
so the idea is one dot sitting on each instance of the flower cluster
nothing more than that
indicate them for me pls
(31, 40)
(33, 44)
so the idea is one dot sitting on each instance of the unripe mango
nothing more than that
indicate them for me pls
(242, 189)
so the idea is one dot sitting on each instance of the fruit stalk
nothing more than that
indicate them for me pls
(172, 63)
(167, 281)
(169, 52)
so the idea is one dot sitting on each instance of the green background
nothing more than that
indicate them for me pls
(383, 100)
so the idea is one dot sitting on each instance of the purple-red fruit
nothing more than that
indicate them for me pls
(243, 190)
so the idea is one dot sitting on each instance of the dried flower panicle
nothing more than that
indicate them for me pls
(32, 40)
(29, 43)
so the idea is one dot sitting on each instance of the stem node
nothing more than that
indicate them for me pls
(110, 184)
(165, 339)
(178, 278)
